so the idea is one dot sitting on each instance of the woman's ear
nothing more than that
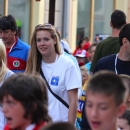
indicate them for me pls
(55, 40)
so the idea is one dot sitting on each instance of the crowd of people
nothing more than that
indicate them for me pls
(44, 86)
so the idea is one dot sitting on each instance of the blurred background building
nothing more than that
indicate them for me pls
(75, 18)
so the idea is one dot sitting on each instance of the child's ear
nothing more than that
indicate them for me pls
(121, 109)
(128, 102)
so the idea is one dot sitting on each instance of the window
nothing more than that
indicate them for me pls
(1, 8)
(83, 19)
(20, 10)
(102, 17)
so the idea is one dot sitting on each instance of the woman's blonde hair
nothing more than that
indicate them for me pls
(3, 67)
(35, 58)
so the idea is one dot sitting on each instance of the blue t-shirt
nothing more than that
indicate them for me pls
(88, 65)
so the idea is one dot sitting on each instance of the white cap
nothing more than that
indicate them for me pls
(81, 53)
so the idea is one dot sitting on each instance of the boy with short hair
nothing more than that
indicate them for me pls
(24, 102)
(104, 100)
(59, 126)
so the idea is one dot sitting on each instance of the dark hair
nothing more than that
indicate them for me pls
(8, 23)
(124, 33)
(118, 19)
(81, 40)
(79, 43)
(126, 116)
(59, 126)
(108, 83)
(31, 91)
(92, 45)
(86, 39)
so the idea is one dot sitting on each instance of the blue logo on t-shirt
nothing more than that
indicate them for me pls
(55, 80)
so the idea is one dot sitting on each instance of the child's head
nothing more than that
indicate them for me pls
(24, 101)
(124, 121)
(59, 126)
(84, 74)
(126, 80)
(104, 100)
(81, 57)
(91, 51)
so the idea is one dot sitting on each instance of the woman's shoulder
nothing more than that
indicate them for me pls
(8, 74)
(65, 60)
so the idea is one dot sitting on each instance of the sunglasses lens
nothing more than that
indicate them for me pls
(47, 25)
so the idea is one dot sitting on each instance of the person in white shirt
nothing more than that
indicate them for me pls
(60, 72)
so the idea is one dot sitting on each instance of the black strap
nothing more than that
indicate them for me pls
(59, 98)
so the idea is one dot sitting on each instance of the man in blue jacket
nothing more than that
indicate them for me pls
(16, 50)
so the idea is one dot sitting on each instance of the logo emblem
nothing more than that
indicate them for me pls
(16, 63)
(55, 80)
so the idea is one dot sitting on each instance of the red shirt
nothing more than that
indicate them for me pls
(37, 127)
(8, 49)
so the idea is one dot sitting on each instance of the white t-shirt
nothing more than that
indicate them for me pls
(7, 75)
(77, 67)
(30, 127)
(62, 76)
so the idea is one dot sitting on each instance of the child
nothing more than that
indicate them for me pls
(124, 121)
(81, 57)
(24, 102)
(91, 51)
(85, 77)
(104, 100)
(126, 80)
(83, 44)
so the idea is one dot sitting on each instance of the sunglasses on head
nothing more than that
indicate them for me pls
(45, 26)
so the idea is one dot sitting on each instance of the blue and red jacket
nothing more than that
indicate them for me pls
(17, 56)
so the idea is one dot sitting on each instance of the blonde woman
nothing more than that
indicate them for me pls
(60, 72)
(4, 71)
(4, 74)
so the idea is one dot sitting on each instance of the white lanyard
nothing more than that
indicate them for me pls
(116, 63)
(11, 48)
